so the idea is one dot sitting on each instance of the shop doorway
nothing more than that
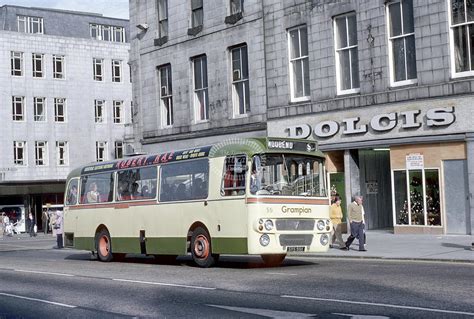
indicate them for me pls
(375, 186)
(456, 195)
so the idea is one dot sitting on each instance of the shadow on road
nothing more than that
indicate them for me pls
(450, 245)
(227, 262)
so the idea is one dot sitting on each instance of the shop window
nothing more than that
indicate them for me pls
(416, 197)
(233, 182)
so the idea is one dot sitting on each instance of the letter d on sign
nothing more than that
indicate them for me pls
(299, 131)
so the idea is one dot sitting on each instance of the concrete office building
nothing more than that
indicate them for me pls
(385, 87)
(65, 99)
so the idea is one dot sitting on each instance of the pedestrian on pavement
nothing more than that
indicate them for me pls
(45, 219)
(357, 223)
(52, 221)
(336, 219)
(58, 225)
(30, 225)
(2, 224)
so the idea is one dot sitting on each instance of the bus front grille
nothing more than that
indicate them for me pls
(294, 224)
(296, 240)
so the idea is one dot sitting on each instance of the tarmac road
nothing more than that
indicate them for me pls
(52, 283)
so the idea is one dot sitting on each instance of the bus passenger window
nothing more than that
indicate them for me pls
(136, 184)
(97, 188)
(184, 181)
(71, 197)
(235, 169)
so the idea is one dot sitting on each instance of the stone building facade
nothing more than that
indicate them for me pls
(60, 107)
(385, 87)
(178, 49)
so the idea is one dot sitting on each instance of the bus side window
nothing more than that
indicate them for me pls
(184, 181)
(97, 188)
(233, 181)
(71, 193)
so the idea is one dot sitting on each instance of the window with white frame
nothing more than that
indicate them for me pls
(240, 80)
(118, 34)
(162, 14)
(462, 37)
(201, 103)
(58, 67)
(41, 153)
(30, 24)
(59, 109)
(38, 65)
(99, 107)
(197, 13)
(416, 197)
(39, 109)
(236, 6)
(62, 153)
(19, 153)
(118, 106)
(98, 68)
(401, 36)
(166, 95)
(18, 108)
(101, 151)
(107, 32)
(118, 149)
(299, 63)
(116, 71)
(347, 59)
(17, 63)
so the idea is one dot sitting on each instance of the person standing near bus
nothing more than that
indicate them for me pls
(356, 219)
(336, 219)
(30, 224)
(58, 225)
(45, 219)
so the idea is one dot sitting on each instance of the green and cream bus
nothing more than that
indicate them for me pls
(256, 196)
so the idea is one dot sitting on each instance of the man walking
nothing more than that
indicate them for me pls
(356, 220)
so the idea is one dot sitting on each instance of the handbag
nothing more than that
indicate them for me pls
(35, 229)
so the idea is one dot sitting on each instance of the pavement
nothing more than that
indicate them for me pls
(381, 244)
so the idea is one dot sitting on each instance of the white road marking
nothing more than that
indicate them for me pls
(266, 312)
(39, 300)
(352, 316)
(381, 305)
(44, 273)
(164, 284)
(281, 274)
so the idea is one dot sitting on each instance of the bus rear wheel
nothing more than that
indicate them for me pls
(273, 260)
(104, 246)
(201, 249)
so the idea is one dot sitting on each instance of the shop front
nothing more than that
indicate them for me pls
(410, 161)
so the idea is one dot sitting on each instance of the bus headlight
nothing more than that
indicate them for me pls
(328, 222)
(268, 224)
(321, 224)
(264, 240)
(324, 240)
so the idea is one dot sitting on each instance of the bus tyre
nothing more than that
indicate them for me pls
(104, 246)
(273, 260)
(201, 249)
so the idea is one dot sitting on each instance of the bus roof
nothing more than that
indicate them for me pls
(248, 146)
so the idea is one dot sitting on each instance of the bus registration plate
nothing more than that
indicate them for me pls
(295, 249)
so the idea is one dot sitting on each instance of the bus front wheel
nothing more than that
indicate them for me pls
(104, 246)
(273, 260)
(201, 248)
